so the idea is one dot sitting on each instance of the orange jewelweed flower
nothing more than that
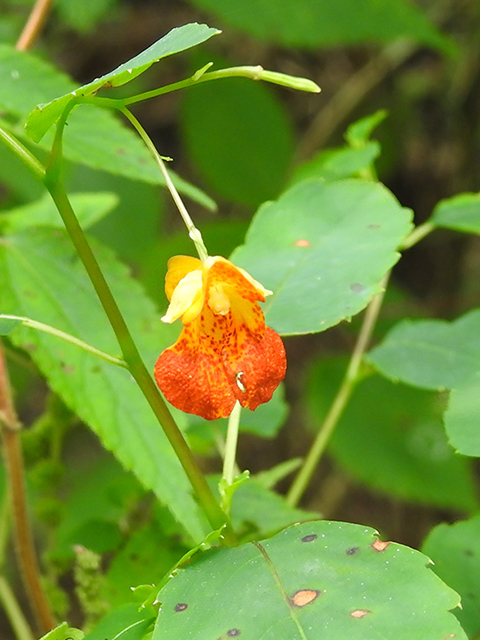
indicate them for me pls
(225, 352)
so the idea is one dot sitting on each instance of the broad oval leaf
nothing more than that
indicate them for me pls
(323, 250)
(314, 580)
(178, 39)
(433, 354)
(43, 279)
(462, 418)
(455, 550)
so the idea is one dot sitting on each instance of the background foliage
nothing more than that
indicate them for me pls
(401, 457)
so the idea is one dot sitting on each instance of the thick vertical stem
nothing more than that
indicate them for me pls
(16, 483)
(207, 500)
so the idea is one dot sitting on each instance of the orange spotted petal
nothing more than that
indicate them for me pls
(218, 360)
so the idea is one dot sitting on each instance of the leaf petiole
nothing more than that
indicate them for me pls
(45, 328)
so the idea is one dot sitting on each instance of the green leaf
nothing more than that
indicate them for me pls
(89, 207)
(335, 164)
(95, 498)
(462, 417)
(7, 325)
(128, 622)
(314, 23)
(433, 354)
(391, 438)
(313, 580)
(358, 133)
(461, 212)
(455, 550)
(323, 250)
(146, 555)
(43, 279)
(240, 137)
(264, 510)
(176, 40)
(93, 137)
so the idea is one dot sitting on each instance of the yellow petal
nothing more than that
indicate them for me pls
(218, 300)
(187, 298)
(256, 284)
(178, 267)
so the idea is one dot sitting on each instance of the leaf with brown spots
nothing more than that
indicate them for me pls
(314, 580)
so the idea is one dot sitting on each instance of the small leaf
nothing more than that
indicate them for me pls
(255, 505)
(433, 354)
(358, 133)
(313, 580)
(89, 207)
(335, 164)
(461, 212)
(455, 550)
(178, 39)
(323, 250)
(462, 418)
(64, 631)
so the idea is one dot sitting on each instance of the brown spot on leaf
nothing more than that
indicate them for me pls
(360, 613)
(379, 545)
(310, 538)
(373, 226)
(352, 551)
(356, 287)
(233, 633)
(304, 597)
(302, 243)
(181, 606)
(450, 635)
(67, 368)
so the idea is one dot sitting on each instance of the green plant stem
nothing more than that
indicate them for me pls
(13, 612)
(207, 500)
(16, 484)
(231, 444)
(23, 153)
(193, 232)
(418, 234)
(254, 73)
(340, 401)
(46, 328)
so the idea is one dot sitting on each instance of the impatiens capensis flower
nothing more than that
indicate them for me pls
(225, 352)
